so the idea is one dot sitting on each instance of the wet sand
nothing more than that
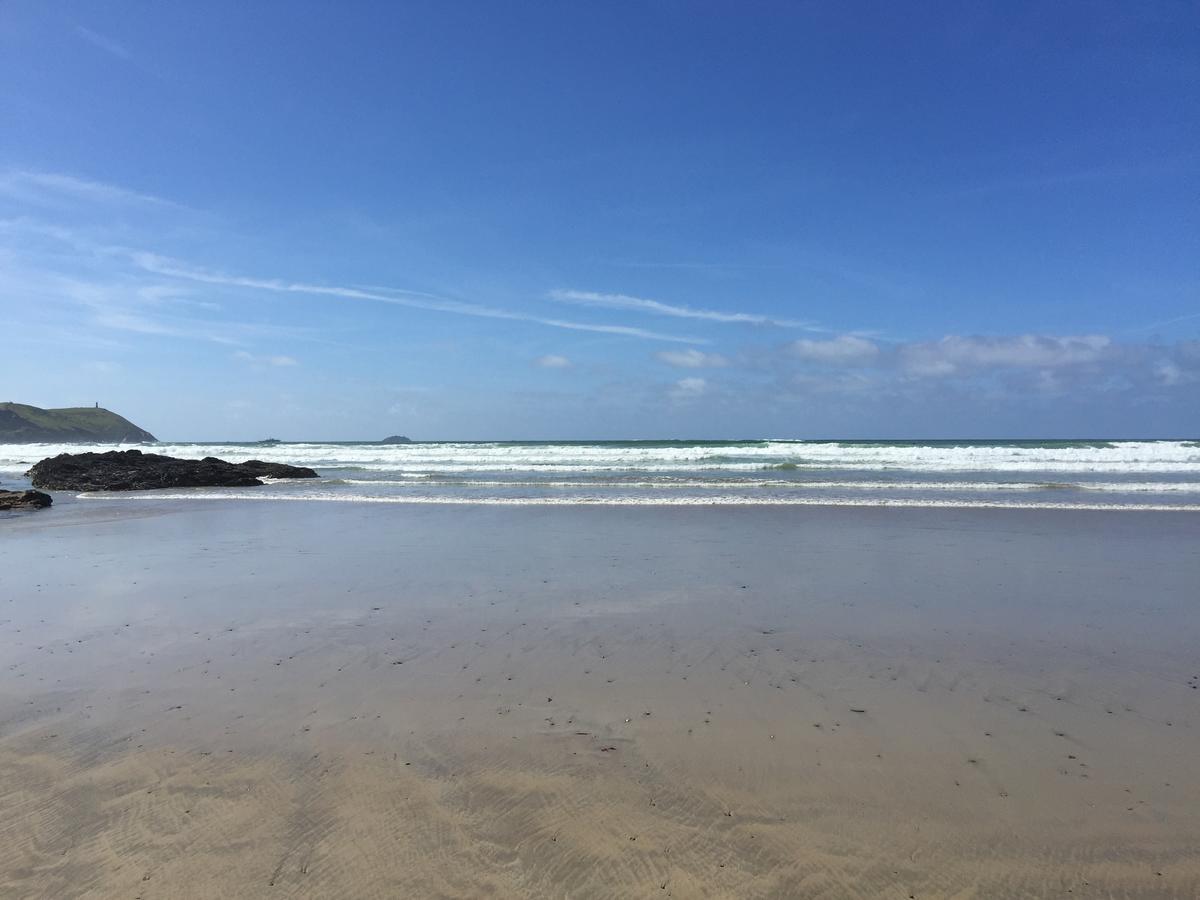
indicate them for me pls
(314, 700)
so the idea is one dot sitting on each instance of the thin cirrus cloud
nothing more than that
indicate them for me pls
(56, 188)
(553, 361)
(105, 43)
(657, 307)
(155, 310)
(278, 361)
(164, 266)
(692, 358)
(34, 186)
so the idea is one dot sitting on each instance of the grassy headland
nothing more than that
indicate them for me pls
(24, 424)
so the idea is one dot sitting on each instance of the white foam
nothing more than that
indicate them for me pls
(720, 500)
(1151, 487)
(414, 460)
(983, 476)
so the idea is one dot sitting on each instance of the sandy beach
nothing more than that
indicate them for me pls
(313, 700)
(599, 451)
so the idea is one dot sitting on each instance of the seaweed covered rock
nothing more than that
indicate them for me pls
(24, 500)
(132, 470)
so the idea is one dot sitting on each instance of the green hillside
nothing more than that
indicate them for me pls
(22, 424)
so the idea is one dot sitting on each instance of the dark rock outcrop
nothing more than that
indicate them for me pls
(132, 470)
(396, 439)
(24, 500)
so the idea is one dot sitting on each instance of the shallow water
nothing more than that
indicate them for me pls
(263, 699)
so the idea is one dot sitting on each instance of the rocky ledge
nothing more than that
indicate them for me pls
(24, 500)
(132, 470)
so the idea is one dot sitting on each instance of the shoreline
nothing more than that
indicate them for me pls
(899, 503)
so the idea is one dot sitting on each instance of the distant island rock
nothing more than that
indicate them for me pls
(132, 470)
(23, 424)
(23, 500)
(396, 439)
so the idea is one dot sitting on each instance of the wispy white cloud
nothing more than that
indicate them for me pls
(688, 389)
(846, 349)
(165, 266)
(177, 270)
(553, 361)
(989, 368)
(276, 361)
(226, 333)
(956, 353)
(687, 266)
(656, 307)
(125, 320)
(1165, 322)
(57, 189)
(1017, 369)
(692, 359)
(81, 306)
(105, 43)
(1172, 374)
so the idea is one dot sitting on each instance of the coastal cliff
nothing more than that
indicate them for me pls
(24, 424)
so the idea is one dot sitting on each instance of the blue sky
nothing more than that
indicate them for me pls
(506, 220)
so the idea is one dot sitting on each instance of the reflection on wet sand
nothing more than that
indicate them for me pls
(259, 701)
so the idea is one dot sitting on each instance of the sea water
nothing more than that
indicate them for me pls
(1131, 475)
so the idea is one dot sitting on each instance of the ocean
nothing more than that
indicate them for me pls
(1091, 474)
